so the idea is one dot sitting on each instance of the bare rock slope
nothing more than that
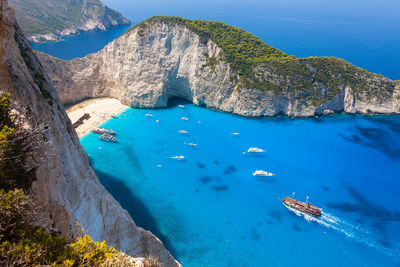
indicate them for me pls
(166, 57)
(66, 187)
(49, 20)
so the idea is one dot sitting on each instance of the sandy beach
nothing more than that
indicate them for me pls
(99, 109)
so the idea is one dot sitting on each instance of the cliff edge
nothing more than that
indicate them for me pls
(49, 20)
(221, 67)
(65, 186)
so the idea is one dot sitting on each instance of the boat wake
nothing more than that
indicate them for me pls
(352, 231)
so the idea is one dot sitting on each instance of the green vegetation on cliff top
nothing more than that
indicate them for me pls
(264, 67)
(48, 16)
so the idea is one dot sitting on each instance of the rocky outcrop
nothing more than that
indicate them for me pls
(66, 187)
(47, 21)
(156, 61)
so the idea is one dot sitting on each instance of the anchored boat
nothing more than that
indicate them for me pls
(303, 207)
(178, 157)
(103, 131)
(108, 137)
(183, 132)
(255, 150)
(262, 173)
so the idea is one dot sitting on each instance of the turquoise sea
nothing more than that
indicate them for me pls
(208, 209)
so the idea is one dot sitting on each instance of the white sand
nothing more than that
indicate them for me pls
(99, 109)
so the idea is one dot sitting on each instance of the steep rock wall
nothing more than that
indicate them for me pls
(66, 187)
(49, 20)
(148, 65)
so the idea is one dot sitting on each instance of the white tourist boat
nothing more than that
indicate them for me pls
(178, 157)
(103, 131)
(183, 132)
(108, 137)
(235, 133)
(255, 150)
(149, 115)
(262, 173)
(184, 119)
(181, 106)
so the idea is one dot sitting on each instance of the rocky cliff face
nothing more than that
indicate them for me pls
(49, 20)
(66, 187)
(157, 61)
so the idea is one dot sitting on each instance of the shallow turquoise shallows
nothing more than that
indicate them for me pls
(209, 210)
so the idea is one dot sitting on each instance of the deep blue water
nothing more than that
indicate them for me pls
(210, 211)
(364, 32)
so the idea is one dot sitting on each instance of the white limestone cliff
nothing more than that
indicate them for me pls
(148, 65)
(66, 187)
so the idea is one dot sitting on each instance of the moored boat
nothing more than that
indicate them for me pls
(183, 132)
(149, 115)
(262, 173)
(178, 157)
(235, 133)
(184, 119)
(181, 106)
(108, 137)
(115, 116)
(103, 131)
(192, 144)
(255, 150)
(303, 207)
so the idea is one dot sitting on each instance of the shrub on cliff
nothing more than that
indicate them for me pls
(22, 243)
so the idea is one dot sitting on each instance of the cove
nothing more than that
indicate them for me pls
(210, 211)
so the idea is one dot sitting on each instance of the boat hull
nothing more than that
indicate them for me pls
(302, 207)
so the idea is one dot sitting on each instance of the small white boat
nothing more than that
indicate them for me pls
(108, 137)
(157, 121)
(115, 116)
(184, 119)
(181, 106)
(192, 144)
(183, 132)
(178, 157)
(262, 173)
(149, 115)
(255, 150)
(159, 166)
(235, 133)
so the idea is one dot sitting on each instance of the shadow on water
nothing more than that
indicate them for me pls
(136, 208)
(364, 207)
(375, 138)
(230, 169)
(200, 165)
(266, 180)
(392, 124)
(378, 217)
